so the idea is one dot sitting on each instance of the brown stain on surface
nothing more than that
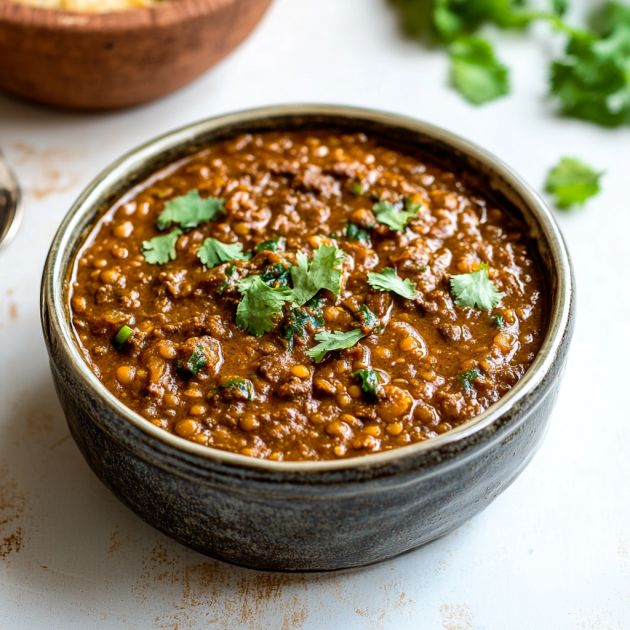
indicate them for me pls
(456, 617)
(213, 593)
(13, 311)
(38, 423)
(51, 174)
(12, 511)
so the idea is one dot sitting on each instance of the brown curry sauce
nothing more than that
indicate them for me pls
(308, 186)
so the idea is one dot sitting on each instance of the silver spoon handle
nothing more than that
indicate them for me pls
(10, 203)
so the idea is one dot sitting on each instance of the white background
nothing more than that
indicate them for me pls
(552, 552)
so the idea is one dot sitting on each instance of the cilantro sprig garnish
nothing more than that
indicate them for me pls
(396, 215)
(189, 210)
(322, 271)
(572, 182)
(213, 252)
(389, 280)
(331, 341)
(160, 249)
(476, 73)
(261, 305)
(475, 290)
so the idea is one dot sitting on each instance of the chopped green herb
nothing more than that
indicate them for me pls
(592, 80)
(297, 321)
(572, 182)
(474, 290)
(389, 280)
(467, 378)
(330, 341)
(497, 321)
(356, 233)
(273, 245)
(241, 385)
(230, 271)
(369, 380)
(370, 321)
(195, 362)
(260, 306)
(276, 274)
(357, 188)
(396, 215)
(189, 210)
(122, 336)
(213, 252)
(476, 73)
(323, 271)
(160, 249)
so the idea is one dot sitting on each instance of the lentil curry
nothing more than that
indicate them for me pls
(307, 295)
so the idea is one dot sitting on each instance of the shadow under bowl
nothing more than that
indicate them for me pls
(308, 516)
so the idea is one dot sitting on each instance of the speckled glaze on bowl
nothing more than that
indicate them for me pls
(307, 516)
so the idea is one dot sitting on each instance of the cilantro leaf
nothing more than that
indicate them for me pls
(242, 387)
(572, 182)
(592, 80)
(474, 290)
(356, 233)
(189, 210)
(195, 362)
(213, 252)
(297, 321)
(272, 245)
(467, 378)
(260, 306)
(323, 271)
(396, 215)
(476, 73)
(330, 341)
(370, 321)
(160, 249)
(389, 280)
(276, 274)
(369, 381)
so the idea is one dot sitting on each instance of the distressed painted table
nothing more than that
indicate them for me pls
(552, 552)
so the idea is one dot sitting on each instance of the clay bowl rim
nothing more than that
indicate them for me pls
(70, 234)
(161, 15)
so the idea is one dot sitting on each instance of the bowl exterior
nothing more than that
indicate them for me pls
(110, 63)
(313, 522)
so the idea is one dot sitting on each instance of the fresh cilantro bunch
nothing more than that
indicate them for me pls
(592, 80)
(444, 21)
(261, 306)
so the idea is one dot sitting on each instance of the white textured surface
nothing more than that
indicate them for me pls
(552, 552)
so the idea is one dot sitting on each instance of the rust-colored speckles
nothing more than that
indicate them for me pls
(211, 592)
(13, 312)
(456, 617)
(12, 510)
(46, 176)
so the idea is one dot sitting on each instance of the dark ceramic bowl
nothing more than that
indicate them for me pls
(305, 516)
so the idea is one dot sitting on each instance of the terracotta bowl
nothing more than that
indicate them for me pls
(324, 515)
(111, 60)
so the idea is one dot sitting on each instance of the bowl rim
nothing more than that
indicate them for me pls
(163, 14)
(55, 318)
